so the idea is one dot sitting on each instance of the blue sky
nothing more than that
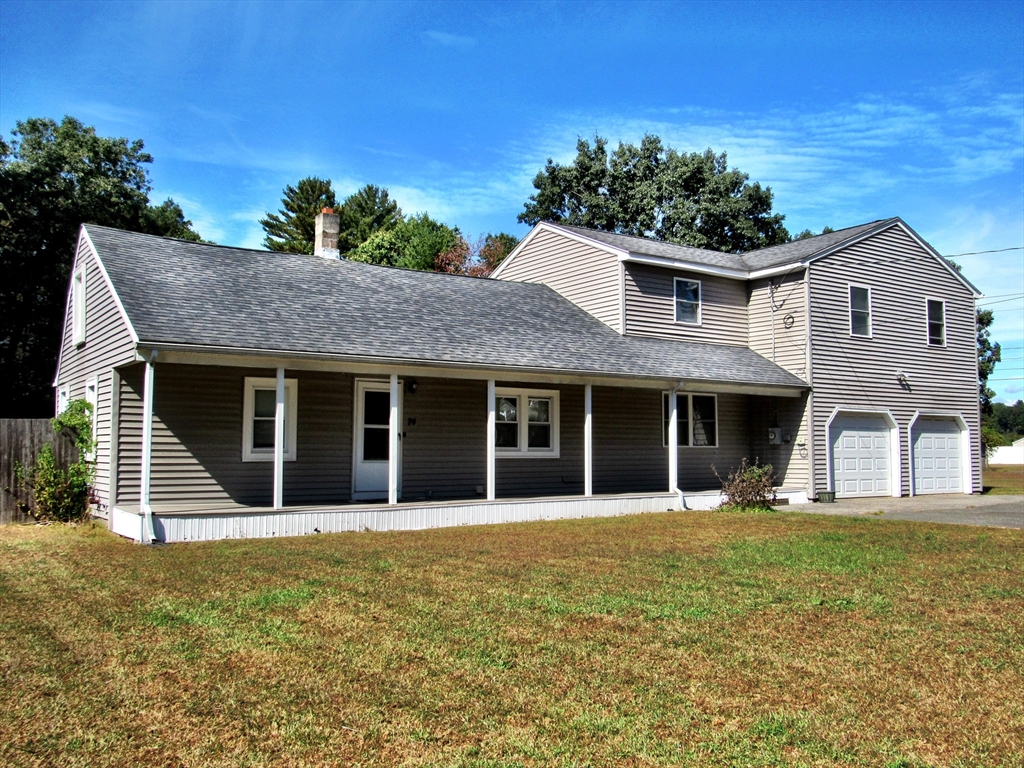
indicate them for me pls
(849, 111)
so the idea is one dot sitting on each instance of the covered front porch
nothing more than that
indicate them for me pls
(212, 448)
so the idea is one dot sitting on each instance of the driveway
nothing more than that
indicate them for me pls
(957, 509)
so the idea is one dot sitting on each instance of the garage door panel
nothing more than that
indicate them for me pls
(937, 456)
(860, 456)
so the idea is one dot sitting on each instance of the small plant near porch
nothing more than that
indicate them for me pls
(750, 487)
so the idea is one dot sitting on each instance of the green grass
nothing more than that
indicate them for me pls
(675, 639)
(1003, 479)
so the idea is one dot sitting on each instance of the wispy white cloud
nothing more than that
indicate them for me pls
(448, 40)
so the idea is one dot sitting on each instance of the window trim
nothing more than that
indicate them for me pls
(93, 383)
(849, 311)
(63, 398)
(291, 397)
(928, 322)
(78, 299)
(687, 397)
(675, 301)
(523, 451)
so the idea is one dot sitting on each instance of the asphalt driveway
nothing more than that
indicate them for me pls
(956, 509)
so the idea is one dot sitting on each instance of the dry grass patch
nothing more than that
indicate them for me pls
(1000, 479)
(675, 639)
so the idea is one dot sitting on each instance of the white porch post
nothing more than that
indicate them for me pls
(393, 427)
(588, 440)
(491, 438)
(279, 442)
(673, 441)
(148, 532)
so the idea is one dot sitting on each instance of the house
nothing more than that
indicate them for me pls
(246, 393)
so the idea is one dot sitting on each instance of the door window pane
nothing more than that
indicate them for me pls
(378, 408)
(375, 444)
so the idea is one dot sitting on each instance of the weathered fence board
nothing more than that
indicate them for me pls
(20, 441)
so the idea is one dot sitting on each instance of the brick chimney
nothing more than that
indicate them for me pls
(328, 223)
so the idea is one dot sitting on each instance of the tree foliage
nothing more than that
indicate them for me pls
(364, 213)
(413, 243)
(53, 178)
(654, 191)
(293, 228)
(807, 233)
(477, 259)
(989, 354)
(1008, 420)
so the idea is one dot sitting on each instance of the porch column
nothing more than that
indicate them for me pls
(279, 442)
(588, 440)
(673, 441)
(148, 533)
(491, 437)
(393, 427)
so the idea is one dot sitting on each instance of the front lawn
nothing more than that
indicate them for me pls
(1003, 479)
(672, 639)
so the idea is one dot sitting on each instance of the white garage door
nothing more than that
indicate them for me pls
(860, 456)
(938, 466)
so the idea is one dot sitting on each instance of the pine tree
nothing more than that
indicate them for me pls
(293, 228)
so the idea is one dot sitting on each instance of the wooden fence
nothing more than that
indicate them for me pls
(20, 441)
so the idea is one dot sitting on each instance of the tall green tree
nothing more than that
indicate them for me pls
(53, 178)
(365, 212)
(654, 191)
(413, 243)
(989, 353)
(293, 228)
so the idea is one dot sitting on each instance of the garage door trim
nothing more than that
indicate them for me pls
(966, 454)
(895, 467)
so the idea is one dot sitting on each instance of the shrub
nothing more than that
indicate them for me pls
(749, 487)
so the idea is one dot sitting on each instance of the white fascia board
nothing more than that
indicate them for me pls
(548, 227)
(782, 269)
(110, 285)
(685, 266)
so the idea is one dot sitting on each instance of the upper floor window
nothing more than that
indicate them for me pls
(687, 297)
(259, 410)
(526, 422)
(860, 311)
(78, 307)
(936, 323)
(696, 417)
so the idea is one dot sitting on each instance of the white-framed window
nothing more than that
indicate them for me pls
(526, 423)
(259, 409)
(687, 300)
(860, 311)
(92, 397)
(78, 306)
(936, 310)
(63, 398)
(697, 418)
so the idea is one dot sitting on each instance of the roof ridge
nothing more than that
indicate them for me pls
(638, 237)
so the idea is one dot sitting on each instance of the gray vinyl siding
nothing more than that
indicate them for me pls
(650, 306)
(108, 343)
(583, 274)
(861, 372)
(791, 460)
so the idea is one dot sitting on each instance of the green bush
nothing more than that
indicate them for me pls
(749, 487)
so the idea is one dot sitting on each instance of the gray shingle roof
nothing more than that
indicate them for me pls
(777, 255)
(214, 296)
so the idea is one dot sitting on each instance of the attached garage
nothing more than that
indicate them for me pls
(938, 455)
(862, 449)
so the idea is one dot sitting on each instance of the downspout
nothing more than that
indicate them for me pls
(148, 533)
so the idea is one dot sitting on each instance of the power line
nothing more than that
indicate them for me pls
(978, 253)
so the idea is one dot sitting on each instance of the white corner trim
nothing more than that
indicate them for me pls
(110, 285)
(895, 455)
(622, 299)
(966, 467)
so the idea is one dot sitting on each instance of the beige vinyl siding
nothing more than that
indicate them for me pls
(861, 372)
(790, 460)
(650, 306)
(585, 275)
(108, 343)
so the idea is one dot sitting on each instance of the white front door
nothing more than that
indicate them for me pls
(370, 443)
(937, 456)
(860, 456)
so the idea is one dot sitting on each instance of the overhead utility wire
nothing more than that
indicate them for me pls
(978, 253)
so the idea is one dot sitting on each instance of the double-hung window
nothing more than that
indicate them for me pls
(92, 398)
(259, 412)
(697, 416)
(936, 323)
(687, 299)
(526, 423)
(860, 311)
(78, 306)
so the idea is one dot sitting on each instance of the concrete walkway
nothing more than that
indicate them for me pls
(956, 509)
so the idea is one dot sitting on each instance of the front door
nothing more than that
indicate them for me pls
(370, 444)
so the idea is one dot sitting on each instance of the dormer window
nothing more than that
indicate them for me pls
(78, 306)
(687, 297)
